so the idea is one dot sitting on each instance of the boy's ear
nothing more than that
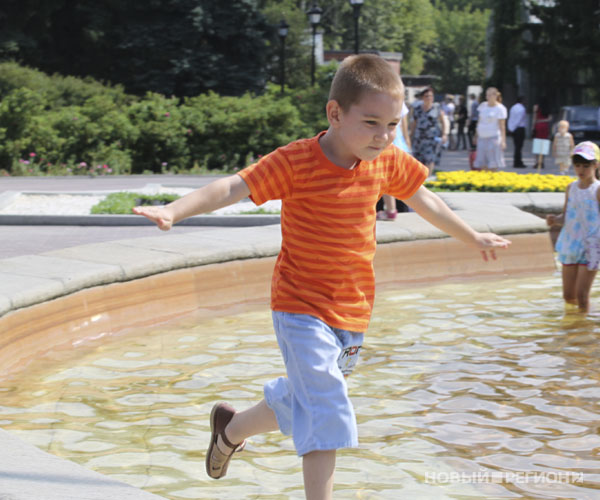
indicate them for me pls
(334, 113)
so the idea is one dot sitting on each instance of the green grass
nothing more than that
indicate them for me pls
(122, 203)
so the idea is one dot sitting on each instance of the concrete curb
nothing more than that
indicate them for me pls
(136, 220)
(27, 473)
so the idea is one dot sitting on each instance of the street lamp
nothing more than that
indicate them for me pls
(314, 16)
(282, 31)
(356, 5)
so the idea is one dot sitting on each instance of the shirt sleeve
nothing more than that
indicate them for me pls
(270, 178)
(408, 176)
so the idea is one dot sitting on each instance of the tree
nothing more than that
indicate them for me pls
(557, 45)
(404, 26)
(563, 53)
(181, 47)
(399, 26)
(458, 55)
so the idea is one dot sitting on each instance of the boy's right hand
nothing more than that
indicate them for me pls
(161, 216)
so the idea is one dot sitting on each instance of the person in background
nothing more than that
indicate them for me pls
(461, 121)
(427, 130)
(473, 117)
(449, 109)
(578, 244)
(541, 123)
(491, 132)
(562, 147)
(517, 124)
(389, 205)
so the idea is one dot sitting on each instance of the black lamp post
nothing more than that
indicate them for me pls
(282, 31)
(314, 16)
(356, 5)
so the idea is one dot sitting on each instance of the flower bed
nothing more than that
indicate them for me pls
(510, 182)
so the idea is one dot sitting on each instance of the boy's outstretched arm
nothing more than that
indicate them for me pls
(217, 194)
(433, 209)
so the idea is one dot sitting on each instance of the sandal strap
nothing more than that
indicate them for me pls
(228, 443)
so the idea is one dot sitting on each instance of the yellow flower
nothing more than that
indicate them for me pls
(499, 181)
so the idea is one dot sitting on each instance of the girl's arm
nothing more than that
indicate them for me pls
(572, 142)
(559, 220)
(433, 209)
(554, 145)
(502, 125)
(217, 194)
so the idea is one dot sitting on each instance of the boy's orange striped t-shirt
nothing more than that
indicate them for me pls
(325, 266)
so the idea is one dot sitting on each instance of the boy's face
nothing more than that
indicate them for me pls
(369, 126)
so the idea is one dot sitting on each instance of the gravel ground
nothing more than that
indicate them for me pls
(56, 204)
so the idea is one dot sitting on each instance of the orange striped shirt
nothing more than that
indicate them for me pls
(325, 266)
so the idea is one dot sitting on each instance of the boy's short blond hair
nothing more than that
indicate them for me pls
(563, 123)
(364, 73)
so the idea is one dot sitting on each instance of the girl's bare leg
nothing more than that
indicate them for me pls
(585, 278)
(569, 281)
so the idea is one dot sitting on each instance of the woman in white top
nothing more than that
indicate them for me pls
(491, 132)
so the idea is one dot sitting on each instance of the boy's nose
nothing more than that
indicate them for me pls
(382, 135)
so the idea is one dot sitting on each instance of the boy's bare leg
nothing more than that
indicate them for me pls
(318, 469)
(256, 420)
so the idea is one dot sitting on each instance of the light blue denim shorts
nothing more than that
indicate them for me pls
(312, 403)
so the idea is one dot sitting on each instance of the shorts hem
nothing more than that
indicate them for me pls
(301, 451)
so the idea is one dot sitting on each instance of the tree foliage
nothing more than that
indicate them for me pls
(458, 53)
(556, 44)
(181, 47)
(188, 47)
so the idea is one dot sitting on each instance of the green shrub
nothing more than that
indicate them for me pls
(311, 101)
(64, 125)
(18, 110)
(233, 131)
(161, 142)
(122, 203)
(57, 90)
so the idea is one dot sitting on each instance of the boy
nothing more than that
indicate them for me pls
(323, 284)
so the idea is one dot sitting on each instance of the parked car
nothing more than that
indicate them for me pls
(583, 122)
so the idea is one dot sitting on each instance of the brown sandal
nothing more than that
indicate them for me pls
(216, 460)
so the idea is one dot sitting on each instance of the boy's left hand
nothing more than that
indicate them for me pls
(487, 242)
